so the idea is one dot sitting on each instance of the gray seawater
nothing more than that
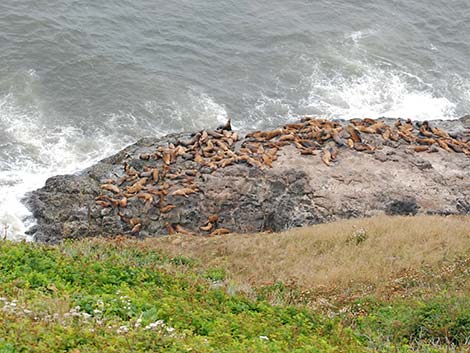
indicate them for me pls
(79, 80)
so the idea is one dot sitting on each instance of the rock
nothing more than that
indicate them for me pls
(231, 177)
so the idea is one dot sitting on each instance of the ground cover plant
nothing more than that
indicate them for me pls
(161, 295)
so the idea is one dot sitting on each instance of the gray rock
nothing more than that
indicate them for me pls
(298, 190)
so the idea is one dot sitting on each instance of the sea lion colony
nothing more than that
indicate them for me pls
(175, 170)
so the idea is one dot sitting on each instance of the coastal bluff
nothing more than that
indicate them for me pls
(221, 181)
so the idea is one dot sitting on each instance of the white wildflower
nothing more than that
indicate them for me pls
(155, 324)
(122, 329)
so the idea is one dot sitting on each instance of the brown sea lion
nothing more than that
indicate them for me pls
(425, 141)
(439, 132)
(155, 175)
(137, 186)
(420, 148)
(455, 147)
(111, 187)
(227, 126)
(353, 133)
(386, 134)
(288, 137)
(136, 228)
(182, 230)
(443, 145)
(267, 160)
(198, 158)
(424, 130)
(215, 134)
(170, 228)
(167, 208)
(145, 196)
(220, 231)
(204, 137)
(326, 156)
(207, 227)
(184, 192)
(104, 204)
(166, 158)
(365, 129)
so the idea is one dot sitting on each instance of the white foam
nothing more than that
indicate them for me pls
(42, 151)
(375, 92)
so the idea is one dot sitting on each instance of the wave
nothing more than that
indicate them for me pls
(35, 151)
(375, 93)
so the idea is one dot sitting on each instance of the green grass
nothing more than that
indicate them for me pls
(111, 296)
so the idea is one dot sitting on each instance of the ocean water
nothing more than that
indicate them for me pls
(80, 80)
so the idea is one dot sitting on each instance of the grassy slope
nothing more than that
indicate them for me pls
(360, 287)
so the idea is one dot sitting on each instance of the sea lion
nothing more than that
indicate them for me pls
(326, 156)
(220, 231)
(405, 136)
(145, 196)
(251, 161)
(134, 221)
(123, 202)
(136, 228)
(443, 145)
(198, 158)
(170, 228)
(111, 187)
(425, 141)
(365, 129)
(353, 133)
(267, 160)
(439, 132)
(386, 134)
(166, 158)
(227, 126)
(423, 129)
(204, 137)
(181, 230)
(362, 147)
(184, 192)
(167, 208)
(308, 151)
(104, 204)
(420, 148)
(455, 147)
(207, 227)
(215, 134)
(155, 174)
(335, 134)
(288, 137)
(226, 162)
(137, 186)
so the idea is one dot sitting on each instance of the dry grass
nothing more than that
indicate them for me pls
(369, 254)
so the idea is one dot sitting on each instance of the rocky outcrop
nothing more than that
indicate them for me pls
(214, 182)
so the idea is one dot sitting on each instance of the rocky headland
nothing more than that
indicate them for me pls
(222, 181)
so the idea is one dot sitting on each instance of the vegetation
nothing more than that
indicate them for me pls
(163, 295)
